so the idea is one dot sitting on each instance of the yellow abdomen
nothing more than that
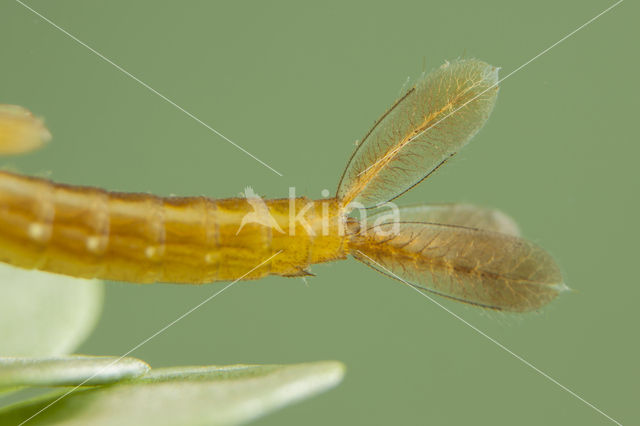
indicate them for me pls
(88, 232)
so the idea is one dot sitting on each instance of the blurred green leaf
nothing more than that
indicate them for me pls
(43, 314)
(183, 396)
(68, 370)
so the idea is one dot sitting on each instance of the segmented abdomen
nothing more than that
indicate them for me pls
(89, 232)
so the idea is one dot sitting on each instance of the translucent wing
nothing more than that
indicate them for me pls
(20, 131)
(423, 129)
(451, 214)
(479, 267)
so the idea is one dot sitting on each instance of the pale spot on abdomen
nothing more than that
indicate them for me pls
(39, 232)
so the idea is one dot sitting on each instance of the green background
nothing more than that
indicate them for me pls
(296, 84)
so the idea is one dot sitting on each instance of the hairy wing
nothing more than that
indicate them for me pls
(423, 129)
(467, 215)
(479, 267)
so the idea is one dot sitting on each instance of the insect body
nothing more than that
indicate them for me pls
(463, 252)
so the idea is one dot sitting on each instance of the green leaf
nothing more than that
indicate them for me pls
(68, 370)
(183, 396)
(43, 314)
